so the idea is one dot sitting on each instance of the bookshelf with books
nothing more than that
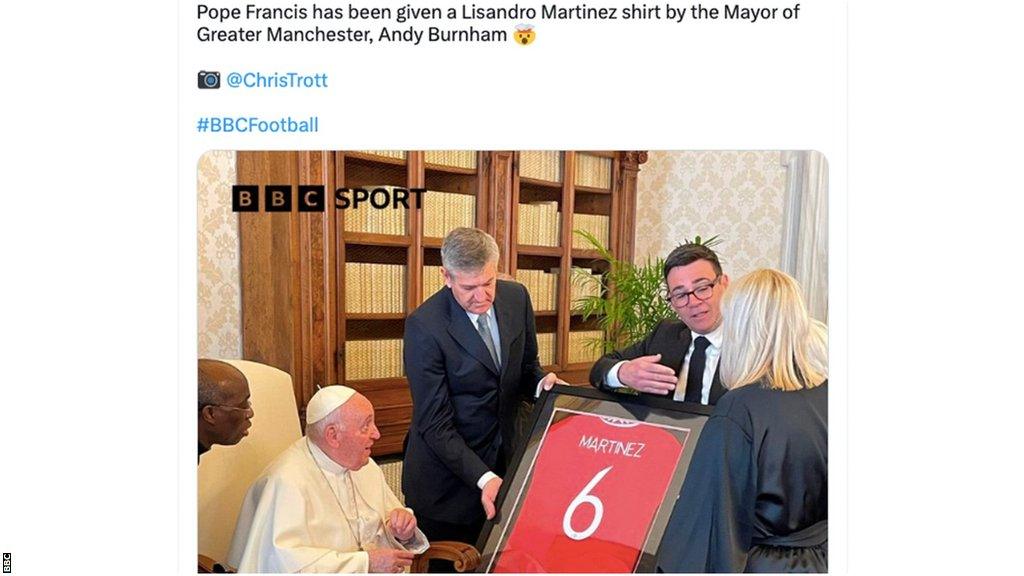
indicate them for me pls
(365, 224)
(538, 204)
(453, 186)
(452, 193)
(377, 255)
(455, 197)
(540, 275)
(593, 208)
(433, 277)
(584, 347)
(554, 193)
(587, 276)
(325, 294)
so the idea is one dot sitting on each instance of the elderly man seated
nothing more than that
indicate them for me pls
(323, 505)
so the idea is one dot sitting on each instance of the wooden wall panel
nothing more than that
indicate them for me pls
(317, 283)
(267, 241)
(629, 169)
(499, 213)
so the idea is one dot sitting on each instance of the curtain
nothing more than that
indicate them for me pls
(805, 227)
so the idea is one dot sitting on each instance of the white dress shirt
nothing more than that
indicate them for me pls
(492, 323)
(711, 355)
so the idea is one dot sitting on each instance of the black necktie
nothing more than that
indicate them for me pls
(695, 377)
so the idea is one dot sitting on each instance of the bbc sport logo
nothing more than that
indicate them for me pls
(314, 198)
(7, 562)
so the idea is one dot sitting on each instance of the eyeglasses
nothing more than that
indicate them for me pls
(681, 298)
(247, 406)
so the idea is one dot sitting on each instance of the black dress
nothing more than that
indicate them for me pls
(755, 498)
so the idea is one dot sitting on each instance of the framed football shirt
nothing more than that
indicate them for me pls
(592, 488)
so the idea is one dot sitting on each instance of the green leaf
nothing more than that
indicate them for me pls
(630, 304)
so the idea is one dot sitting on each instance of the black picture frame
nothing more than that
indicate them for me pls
(683, 418)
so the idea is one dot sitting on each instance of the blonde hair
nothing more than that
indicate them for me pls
(769, 338)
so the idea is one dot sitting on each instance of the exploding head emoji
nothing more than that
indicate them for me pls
(524, 34)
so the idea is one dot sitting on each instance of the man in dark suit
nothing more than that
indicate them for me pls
(470, 356)
(679, 357)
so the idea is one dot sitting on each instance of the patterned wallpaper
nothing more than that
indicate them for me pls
(737, 195)
(220, 324)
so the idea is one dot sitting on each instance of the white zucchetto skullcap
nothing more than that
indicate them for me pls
(327, 400)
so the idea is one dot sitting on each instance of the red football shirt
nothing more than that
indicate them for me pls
(595, 489)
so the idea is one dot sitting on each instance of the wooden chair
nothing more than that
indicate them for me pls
(226, 472)
(208, 566)
(463, 556)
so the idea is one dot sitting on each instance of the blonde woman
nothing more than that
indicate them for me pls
(755, 498)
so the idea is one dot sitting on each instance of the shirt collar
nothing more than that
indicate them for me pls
(714, 337)
(324, 461)
(473, 317)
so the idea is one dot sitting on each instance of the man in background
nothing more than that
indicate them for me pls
(680, 356)
(225, 414)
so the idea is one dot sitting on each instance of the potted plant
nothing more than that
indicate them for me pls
(628, 300)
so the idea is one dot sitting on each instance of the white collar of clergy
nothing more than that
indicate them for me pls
(323, 461)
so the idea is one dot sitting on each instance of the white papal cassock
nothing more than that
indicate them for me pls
(306, 513)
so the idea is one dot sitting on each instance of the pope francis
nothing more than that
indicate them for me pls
(323, 505)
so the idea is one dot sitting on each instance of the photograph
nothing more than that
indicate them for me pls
(444, 343)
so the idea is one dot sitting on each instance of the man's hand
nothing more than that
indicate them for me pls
(490, 492)
(402, 524)
(549, 381)
(385, 560)
(646, 375)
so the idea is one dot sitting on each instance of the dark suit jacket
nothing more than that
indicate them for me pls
(463, 410)
(670, 338)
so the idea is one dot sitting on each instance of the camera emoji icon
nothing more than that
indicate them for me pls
(209, 80)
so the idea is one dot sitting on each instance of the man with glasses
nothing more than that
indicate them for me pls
(680, 357)
(225, 414)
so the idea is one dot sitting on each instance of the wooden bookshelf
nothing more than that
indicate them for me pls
(527, 182)
(578, 253)
(613, 185)
(540, 250)
(374, 316)
(591, 190)
(376, 158)
(450, 169)
(293, 265)
(370, 239)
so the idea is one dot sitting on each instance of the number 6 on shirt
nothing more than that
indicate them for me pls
(584, 497)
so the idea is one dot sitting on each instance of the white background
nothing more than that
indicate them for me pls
(916, 104)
